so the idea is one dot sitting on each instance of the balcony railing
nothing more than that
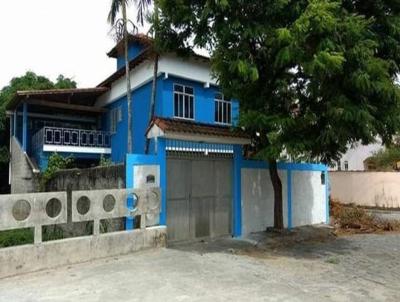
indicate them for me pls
(68, 137)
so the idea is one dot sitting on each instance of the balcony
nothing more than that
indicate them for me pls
(68, 140)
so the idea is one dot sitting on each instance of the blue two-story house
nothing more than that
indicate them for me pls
(191, 125)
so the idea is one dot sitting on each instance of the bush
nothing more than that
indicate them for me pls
(105, 161)
(56, 162)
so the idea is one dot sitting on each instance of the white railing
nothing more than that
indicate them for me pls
(71, 137)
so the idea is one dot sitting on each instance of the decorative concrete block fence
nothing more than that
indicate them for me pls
(43, 209)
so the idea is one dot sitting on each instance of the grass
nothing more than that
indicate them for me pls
(333, 260)
(16, 237)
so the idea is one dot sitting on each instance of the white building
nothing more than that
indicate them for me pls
(354, 158)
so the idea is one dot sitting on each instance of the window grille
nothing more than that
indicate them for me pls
(183, 101)
(223, 110)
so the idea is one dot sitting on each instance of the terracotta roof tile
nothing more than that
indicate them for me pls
(190, 127)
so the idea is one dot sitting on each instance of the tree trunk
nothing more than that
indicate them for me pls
(277, 185)
(154, 84)
(128, 79)
(153, 97)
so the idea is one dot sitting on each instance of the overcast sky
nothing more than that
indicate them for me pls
(51, 37)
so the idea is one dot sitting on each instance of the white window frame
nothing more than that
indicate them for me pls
(225, 103)
(184, 94)
(113, 120)
(119, 114)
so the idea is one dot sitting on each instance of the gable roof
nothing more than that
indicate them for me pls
(118, 49)
(143, 56)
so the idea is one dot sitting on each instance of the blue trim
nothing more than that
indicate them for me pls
(258, 164)
(237, 191)
(289, 198)
(25, 126)
(327, 189)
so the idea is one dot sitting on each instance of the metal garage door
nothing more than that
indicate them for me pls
(199, 198)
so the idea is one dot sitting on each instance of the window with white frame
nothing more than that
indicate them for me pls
(114, 119)
(223, 110)
(183, 101)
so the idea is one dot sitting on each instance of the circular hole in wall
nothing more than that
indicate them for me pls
(21, 210)
(153, 201)
(83, 205)
(133, 200)
(53, 208)
(109, 203)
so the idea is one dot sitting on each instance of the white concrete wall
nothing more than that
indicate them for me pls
(366, 188)
(169, 64)
(308, 198)
(258, 200)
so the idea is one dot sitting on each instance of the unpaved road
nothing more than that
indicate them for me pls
(356, 268)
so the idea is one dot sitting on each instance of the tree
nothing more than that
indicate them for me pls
(116, 6)
(312, 76)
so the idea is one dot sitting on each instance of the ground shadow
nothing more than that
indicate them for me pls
(301, 243)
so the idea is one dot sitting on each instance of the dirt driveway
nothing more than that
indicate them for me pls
(356, 268)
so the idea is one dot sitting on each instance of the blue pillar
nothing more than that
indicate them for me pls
(237, 190)
(129, 221)
(15, 123)
(25, 126)
(162, 159)
(289, 197)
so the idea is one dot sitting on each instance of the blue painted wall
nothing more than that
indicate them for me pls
(140, 121)
(204, 113)
(119, 143)
(134, 49)
(204, 110)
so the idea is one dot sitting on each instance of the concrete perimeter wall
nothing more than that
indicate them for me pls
(28, 258)
(305, 199)
(373, 189)
(97, 178)
(37, 210)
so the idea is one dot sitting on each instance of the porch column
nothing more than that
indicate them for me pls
(24, 126)
(15, 123)
(237, 190)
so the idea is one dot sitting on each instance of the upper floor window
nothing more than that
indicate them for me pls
(223, 110)
(115, 118)
(183, 101)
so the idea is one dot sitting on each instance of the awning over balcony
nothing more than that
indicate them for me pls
(76, 100)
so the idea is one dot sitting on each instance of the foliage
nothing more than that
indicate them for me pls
(311, 76)
(16, 237)
(56, 163)
(386, 159)
(141, 7)
(105, 161)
